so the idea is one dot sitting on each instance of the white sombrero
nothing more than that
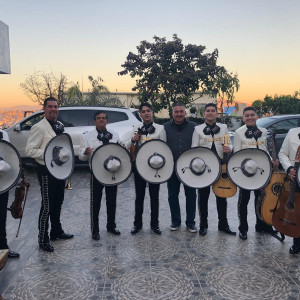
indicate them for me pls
(59, 156)
(250, 169)
(198, 167)
(10, 166)
(111, 164)
(154, 161)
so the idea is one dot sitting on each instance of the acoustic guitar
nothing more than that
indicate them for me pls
(279, 182)
(286, 217)
(224, 187)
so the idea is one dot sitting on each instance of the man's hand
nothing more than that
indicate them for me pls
(275, 163)
(292, 173)
(88, 151)
(226, 149)
(135, 138)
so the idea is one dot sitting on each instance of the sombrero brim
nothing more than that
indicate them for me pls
(258, 180)
(188, 178)
(10, 155)
(145, 151)
(104, 176)
(65, 170)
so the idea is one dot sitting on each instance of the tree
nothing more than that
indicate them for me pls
(41, 85)
(224, 86)
(169, 72)
(74, 95)
(283, 104)
(100, 94)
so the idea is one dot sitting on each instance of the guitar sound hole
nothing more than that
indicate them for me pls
(224, 176)
(277, 188)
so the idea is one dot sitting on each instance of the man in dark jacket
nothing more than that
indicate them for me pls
(179, 133)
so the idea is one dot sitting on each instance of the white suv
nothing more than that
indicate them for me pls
(77, 120)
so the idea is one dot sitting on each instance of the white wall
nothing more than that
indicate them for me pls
(4, 49)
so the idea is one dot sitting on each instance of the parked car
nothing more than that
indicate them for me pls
(278, 125)
(77, 120)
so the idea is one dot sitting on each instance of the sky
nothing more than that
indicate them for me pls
(257, 39)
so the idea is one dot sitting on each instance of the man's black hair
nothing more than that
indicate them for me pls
(97, 113)
(249, 108)
(211, 104)
(49, 99)
(145, 104)
(178, 104)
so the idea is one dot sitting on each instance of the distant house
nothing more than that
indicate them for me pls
(4, 49)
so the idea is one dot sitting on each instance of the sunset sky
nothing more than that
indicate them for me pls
(258, 39)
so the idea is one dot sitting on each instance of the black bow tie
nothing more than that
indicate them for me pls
(211, 129)
(253, 132)
(57, 127)
(147, 129)
(104, 136)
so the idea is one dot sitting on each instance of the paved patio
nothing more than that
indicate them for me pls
(176, 265)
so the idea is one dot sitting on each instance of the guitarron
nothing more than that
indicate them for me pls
(286, 217)
(224, 187)
(279, 182)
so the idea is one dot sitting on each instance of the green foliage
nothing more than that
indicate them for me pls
(169, 72)
(277, 105)
(98, 96)
(225, 85)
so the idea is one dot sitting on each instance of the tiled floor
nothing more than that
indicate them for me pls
(176, 265)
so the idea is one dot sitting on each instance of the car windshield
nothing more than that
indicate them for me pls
(264, 122)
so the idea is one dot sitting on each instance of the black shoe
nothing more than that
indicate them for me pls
(135, 229)
(13, 254)
(114, 231)
(96, 236)
(156, 230)
(202, 231)
(63, 236)
(265, 228)
(227, 230)
(295, 249)
(243, 235)
(47, 247)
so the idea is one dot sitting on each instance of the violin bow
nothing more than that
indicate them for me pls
(25, 198)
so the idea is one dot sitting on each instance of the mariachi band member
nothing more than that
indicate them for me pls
(179, 133)
(286, 156)
(209, 135)
(3, 207)
(250, 136)
(148, 131)
(52, 189)
(89, 142)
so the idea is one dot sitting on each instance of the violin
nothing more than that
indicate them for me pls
(18, 205)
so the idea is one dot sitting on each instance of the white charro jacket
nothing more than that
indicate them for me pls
(159, 133)
(89, 139)
(40, 134)
(241, 142)
(200, 139)
(289, 148)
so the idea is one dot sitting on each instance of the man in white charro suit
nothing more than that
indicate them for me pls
(52, 189)
(286, 156)
(250, 136)
(148, 131)
(209, 135)
(89, 142)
